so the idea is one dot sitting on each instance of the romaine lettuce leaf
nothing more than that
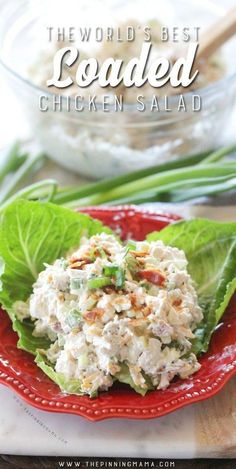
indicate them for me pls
(210, 248)
(71, 386)
(27, 341)
(32, 233)
(123, 376)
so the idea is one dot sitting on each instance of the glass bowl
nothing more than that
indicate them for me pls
(103, 144)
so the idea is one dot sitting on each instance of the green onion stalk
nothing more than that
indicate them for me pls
(160, 182)
(204, 174)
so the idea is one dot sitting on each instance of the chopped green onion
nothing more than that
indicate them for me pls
(63, 263)
(110, 270)
(131, 245)
(76, 283)
(117, 272)
(83, 359)
(99, 282)
(73, 318)
(92, 254)
(132, 263)
(120, 278)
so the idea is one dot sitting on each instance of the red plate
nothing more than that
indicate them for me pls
(19, 372)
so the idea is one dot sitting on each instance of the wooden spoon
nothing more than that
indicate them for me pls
(216, 35)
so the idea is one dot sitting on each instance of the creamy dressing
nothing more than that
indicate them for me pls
(109, 305)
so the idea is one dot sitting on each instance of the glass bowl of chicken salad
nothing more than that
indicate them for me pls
(108, 135)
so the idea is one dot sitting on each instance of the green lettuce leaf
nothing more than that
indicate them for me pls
(70, 386)
(32, 233)
(123, 376)
(73, 386)
(210, 248)
(26, 340)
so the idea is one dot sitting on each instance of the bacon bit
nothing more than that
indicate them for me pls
(91, 316)
(177, 302)
(99, 312)
(152, 276)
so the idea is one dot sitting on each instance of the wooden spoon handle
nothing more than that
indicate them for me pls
(216, 35)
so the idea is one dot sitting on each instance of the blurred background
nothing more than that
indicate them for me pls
(84, 147)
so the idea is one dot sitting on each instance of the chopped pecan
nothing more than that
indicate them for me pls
(79, 263)
(139, 253)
